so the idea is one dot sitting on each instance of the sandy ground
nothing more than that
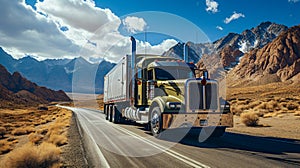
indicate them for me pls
(286, 126)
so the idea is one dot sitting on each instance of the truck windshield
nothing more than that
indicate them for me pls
(173, 73)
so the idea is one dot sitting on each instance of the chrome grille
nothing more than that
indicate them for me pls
(201, 97)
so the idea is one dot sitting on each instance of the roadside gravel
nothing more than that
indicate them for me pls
(73, 154)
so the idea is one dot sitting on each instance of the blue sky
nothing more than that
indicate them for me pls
(101, 28)
(255, 11)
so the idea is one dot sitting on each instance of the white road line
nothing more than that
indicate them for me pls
(185, 159)
(168, 151)
(102, 158)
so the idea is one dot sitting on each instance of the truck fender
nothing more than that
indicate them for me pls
(160, 102)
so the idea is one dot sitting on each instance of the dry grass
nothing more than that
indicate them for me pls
(44, 155)
(2, 131)
(43, 131)
(266, 107)
(5, 146)
(58, 140)
(250, 119)
(35, 138)
(23, 130)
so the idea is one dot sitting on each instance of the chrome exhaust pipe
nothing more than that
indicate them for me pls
(133, 62)
(185, 52)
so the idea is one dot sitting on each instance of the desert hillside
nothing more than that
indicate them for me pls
(278, 61)
(17, 91)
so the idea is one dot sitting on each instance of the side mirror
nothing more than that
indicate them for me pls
(205, 74)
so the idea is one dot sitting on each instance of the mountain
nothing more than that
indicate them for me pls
(256, 37)
(226, 52)
(278, 61)
(195, 51)
(16, 90)
(58, 74)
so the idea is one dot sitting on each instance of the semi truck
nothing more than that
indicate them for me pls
(164, 93)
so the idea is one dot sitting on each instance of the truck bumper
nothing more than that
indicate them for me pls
(184, 120)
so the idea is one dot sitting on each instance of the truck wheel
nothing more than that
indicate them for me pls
(106, 108)
(156, 121)
(109, 113)
(116, 115)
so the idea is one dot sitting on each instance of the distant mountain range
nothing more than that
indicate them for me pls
(278, 61)
(264, 54)
(17, 91)
(58, 74)
(268, 52)
(231, 47)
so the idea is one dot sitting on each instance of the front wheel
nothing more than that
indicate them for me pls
(156, 121)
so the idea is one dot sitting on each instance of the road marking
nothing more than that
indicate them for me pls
(185, 159)
(102, 158)
(168, 151)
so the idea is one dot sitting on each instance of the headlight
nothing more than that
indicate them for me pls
(173, 105)
(225, 106)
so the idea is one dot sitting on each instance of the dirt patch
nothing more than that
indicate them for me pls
(286, 126)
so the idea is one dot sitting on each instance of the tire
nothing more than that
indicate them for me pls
(109, 113)
(116, 115)
(106, 108)
(155, 121)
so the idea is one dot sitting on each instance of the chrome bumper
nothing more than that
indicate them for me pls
(182, 120)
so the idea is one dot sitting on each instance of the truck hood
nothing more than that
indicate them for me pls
(174, 88)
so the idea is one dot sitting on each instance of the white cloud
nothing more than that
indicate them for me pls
(24, 32)
(219, 27)
(134, 24)
(234, 16)
(212, 6)
(293, 1)
(89, 31)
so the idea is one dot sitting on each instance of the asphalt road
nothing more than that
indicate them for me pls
(130, 145)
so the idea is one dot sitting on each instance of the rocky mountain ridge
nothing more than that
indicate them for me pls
(16, 90)
(229, 49)
(278, 61)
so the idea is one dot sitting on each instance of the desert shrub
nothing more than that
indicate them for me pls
(23, 130)
(250, 118)
(58, 140)
(5, 147)
(44, 155)
(262, 105)
(2, 131)
(272, 105)
(292, 106)
(42, 131)
(254, 104)
(35, 138)
(237, 109)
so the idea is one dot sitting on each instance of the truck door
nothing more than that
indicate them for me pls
(141, 87)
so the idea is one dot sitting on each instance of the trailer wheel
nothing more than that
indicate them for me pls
(109, 113)
(155, 121)
(106, 108)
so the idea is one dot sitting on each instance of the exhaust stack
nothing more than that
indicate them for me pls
(133, 62)
(185, 52)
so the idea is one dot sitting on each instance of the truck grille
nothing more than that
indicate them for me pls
(199, 97)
